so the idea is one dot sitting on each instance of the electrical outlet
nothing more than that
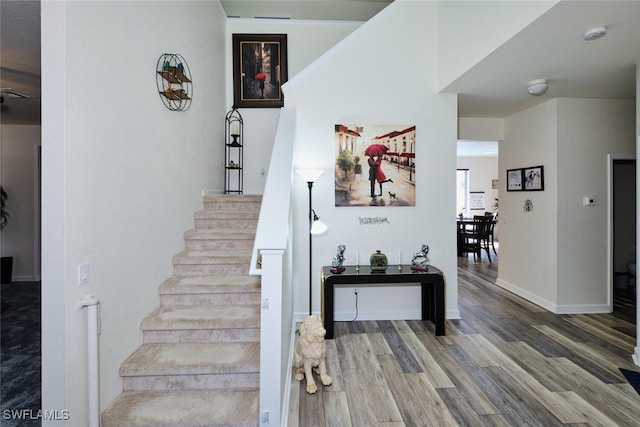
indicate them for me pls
(356, 291)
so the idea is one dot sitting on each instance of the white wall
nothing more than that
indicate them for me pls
(556, 255)
(20, 145)
(482, 129)
(588, 130)
(351, 84)
(528, 243)
(306, 41)
(123, 174)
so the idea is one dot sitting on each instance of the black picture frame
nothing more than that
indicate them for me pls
(515, 180)
(533, 178)
(259, 70)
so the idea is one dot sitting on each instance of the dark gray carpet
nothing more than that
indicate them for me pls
(20, 360)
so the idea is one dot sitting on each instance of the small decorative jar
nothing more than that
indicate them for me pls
(378, 261)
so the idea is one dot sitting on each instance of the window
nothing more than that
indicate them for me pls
(462, 192)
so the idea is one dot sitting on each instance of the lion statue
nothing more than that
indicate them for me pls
(310, 353)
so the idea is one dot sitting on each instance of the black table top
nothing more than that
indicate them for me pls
(365, 270)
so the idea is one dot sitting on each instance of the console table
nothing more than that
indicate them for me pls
(432, 284)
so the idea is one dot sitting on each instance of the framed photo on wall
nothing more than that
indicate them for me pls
(259, 70)
(534, 178)
(476, 200)
(514, 179)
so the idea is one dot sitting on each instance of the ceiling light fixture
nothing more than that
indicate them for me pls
(594, 33)
(538, 87)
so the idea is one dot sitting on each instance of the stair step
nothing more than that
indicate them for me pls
(210, 239)
(202, 317)
(171, 366)
(232, 202)
(226, 219)
(196, 408)
(216, 262)
(209, 323)
(210, 290)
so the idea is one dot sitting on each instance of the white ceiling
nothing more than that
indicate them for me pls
(323, 10)
(550, 48)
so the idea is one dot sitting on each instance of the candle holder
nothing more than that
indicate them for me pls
(234, 141)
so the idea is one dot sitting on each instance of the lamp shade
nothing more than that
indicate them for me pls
(318, 227)
(310, 175)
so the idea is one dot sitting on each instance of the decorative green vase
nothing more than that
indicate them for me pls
(378, 261)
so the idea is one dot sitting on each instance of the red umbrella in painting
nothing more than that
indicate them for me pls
(375, 150)
(261, 77)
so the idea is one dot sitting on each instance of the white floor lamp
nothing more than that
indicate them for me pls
(315, 225)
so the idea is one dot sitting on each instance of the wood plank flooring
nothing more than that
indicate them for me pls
(508, 362)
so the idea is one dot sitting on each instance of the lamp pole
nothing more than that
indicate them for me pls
(315, 226)
(310, 185)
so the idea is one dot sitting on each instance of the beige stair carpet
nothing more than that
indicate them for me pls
(199, 361)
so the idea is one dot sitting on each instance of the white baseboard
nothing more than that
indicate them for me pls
(347, 316)
(373, 315)
(553, 307)
(527, 295)
(453, 314)
(583, 309)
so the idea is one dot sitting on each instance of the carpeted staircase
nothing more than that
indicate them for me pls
(199, 362)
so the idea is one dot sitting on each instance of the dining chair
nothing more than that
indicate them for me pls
(473, 237)
(494, 220)
(478, 235)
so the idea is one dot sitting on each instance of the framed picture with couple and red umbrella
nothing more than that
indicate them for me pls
(375, 165)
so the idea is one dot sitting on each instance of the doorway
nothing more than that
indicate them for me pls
(622, 211)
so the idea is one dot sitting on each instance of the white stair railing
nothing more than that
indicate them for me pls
(271, 260)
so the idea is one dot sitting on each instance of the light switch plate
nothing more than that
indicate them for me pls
(83, 274)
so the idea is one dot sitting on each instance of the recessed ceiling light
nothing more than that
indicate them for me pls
(538, 87)
(594, 33)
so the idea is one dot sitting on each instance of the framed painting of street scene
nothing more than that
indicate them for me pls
(259, 70)
(375, 165)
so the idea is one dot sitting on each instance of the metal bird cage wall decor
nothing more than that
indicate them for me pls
(174, 82)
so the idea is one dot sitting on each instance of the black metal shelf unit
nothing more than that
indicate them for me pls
(233, 153)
